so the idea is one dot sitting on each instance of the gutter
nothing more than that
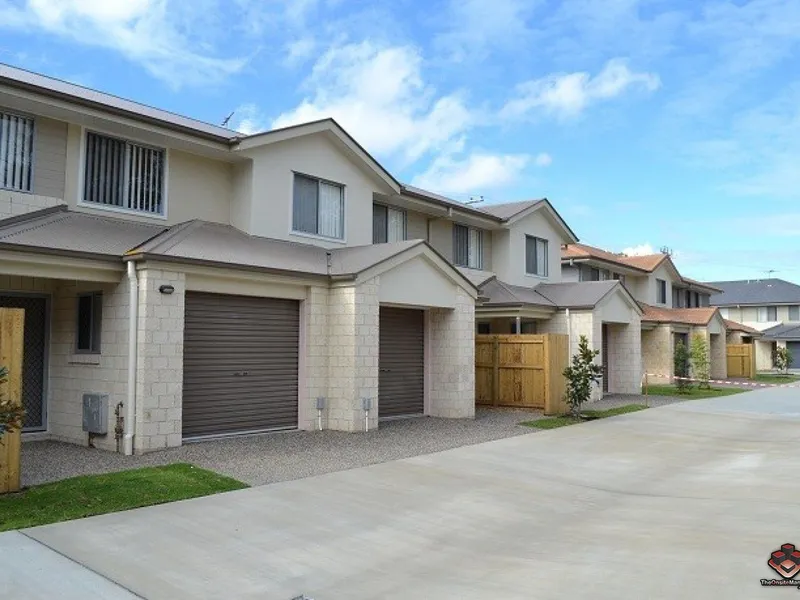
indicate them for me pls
(133, 330)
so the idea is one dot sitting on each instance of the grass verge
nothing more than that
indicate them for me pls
(776, 378)
(693, 392)
(556, 422)
(91, 495)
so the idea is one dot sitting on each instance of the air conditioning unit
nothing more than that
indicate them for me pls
(95, 413)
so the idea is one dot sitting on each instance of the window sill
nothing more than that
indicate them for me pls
(539, 277)
(124, 211)
(16, 191)
(84, 359)
(314, 236)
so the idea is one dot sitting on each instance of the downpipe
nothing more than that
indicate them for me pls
(133, 329)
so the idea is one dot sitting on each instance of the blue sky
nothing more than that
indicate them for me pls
(647, 123)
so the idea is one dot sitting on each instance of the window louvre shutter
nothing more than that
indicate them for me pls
(16, 152)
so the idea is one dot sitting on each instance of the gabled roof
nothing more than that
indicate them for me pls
(583, 295)
(784, 331)
(687, 316)
(478, 278)
(584, 251)
(734, 326)
(700, 284)
(57, 230)
(63, 90)
(647, 262)
(509, 210)
(498, 293)
(755, 292)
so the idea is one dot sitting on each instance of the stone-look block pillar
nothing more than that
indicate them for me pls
(625, 372)
(719, 356)
(451, 359)
(353, 345)
(658, 354)
(159, 379)
(314, 357)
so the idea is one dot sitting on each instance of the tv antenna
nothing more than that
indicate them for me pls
(475, 200)
(227, 119)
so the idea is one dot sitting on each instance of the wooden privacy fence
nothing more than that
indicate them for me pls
(741, 360)
(521, 371)
(11, 329)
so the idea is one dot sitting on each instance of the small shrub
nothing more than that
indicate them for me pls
(701, 362)
(783, 360)
(581, 375)
(681, 360)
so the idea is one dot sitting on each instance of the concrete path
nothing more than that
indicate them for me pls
(683, 501)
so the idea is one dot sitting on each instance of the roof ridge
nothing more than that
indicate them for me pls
(39, 222)
(154, 243)
(35, 214)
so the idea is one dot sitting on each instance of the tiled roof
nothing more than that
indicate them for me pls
(510, 209)
(643, 263)
(784, 331)
(688, 316)
(755, 291)
(647, 262)
(734, 326)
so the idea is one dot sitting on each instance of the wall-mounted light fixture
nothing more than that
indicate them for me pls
(166, 289)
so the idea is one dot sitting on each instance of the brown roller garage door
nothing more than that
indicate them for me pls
(240, 367)
(401, 381)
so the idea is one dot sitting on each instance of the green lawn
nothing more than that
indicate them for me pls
(776, 378)
(556, 422)
(694, 392)
(99, 494)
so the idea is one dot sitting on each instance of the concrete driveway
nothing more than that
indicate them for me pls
(683, 501)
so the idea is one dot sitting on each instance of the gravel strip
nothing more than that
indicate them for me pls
(261, 459)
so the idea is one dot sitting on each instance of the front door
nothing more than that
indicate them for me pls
(34, 355)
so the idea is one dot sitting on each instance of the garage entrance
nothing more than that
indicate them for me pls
(794, 348)
(240, 364)
(401, 378)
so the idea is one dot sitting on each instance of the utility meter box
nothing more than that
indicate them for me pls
(95, 413)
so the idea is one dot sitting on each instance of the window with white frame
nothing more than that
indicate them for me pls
(90, 317)
(124, 175)
(388, 224)
(16, 152)
(794, 313)
(318, 207)
(767, 314)
(536, 256)
(661, 289)
(467, 247)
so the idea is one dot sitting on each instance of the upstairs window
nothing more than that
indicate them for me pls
(16, 152)
(794, 313)
(388, 224)
(661, 290)
(90, 314)
(121, 174)
(318, 207)
(536, 256)
(594, 274)
(767, 314)
(467, 247)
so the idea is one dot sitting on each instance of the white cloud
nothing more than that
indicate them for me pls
(543, 159)
(569, 94)
(158, 34)
(640, 250)
(377, 93)
(473, 174)
(248, 119)
(300, 50)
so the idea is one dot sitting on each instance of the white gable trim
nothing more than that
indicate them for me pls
(555, 218)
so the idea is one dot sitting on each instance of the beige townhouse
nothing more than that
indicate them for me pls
(674, 307)
(182, 281)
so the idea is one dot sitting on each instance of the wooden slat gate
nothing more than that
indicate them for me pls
(522, 371)
(741, 360)
(12, 322)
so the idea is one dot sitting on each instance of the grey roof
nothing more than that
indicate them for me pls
(477, 278)
(784, 331)
(498, 293)
(584, 294)
(60, 231)
(755, 291)
(83, 95)
(354, 259)
(448, 202)
(508, 210)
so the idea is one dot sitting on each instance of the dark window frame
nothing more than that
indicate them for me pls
(298, 226)
(661, 290)
(89, 342)
(461, 256)
(533, 257)
(380, 227)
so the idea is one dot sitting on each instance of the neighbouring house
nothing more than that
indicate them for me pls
(771, 306)
(739, 333)
(199, 282)
(673, 307)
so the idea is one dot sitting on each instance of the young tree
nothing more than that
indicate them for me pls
(10, 414)
(581, 375)
(701, 363)
(783, 359)
(681, 360)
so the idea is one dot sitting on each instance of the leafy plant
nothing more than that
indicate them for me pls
(11, 414)
(681, 362)
(701, 363)
(580, 375)
(783, 359)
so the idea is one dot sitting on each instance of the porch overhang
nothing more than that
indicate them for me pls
(525, 311)
(57, 266)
